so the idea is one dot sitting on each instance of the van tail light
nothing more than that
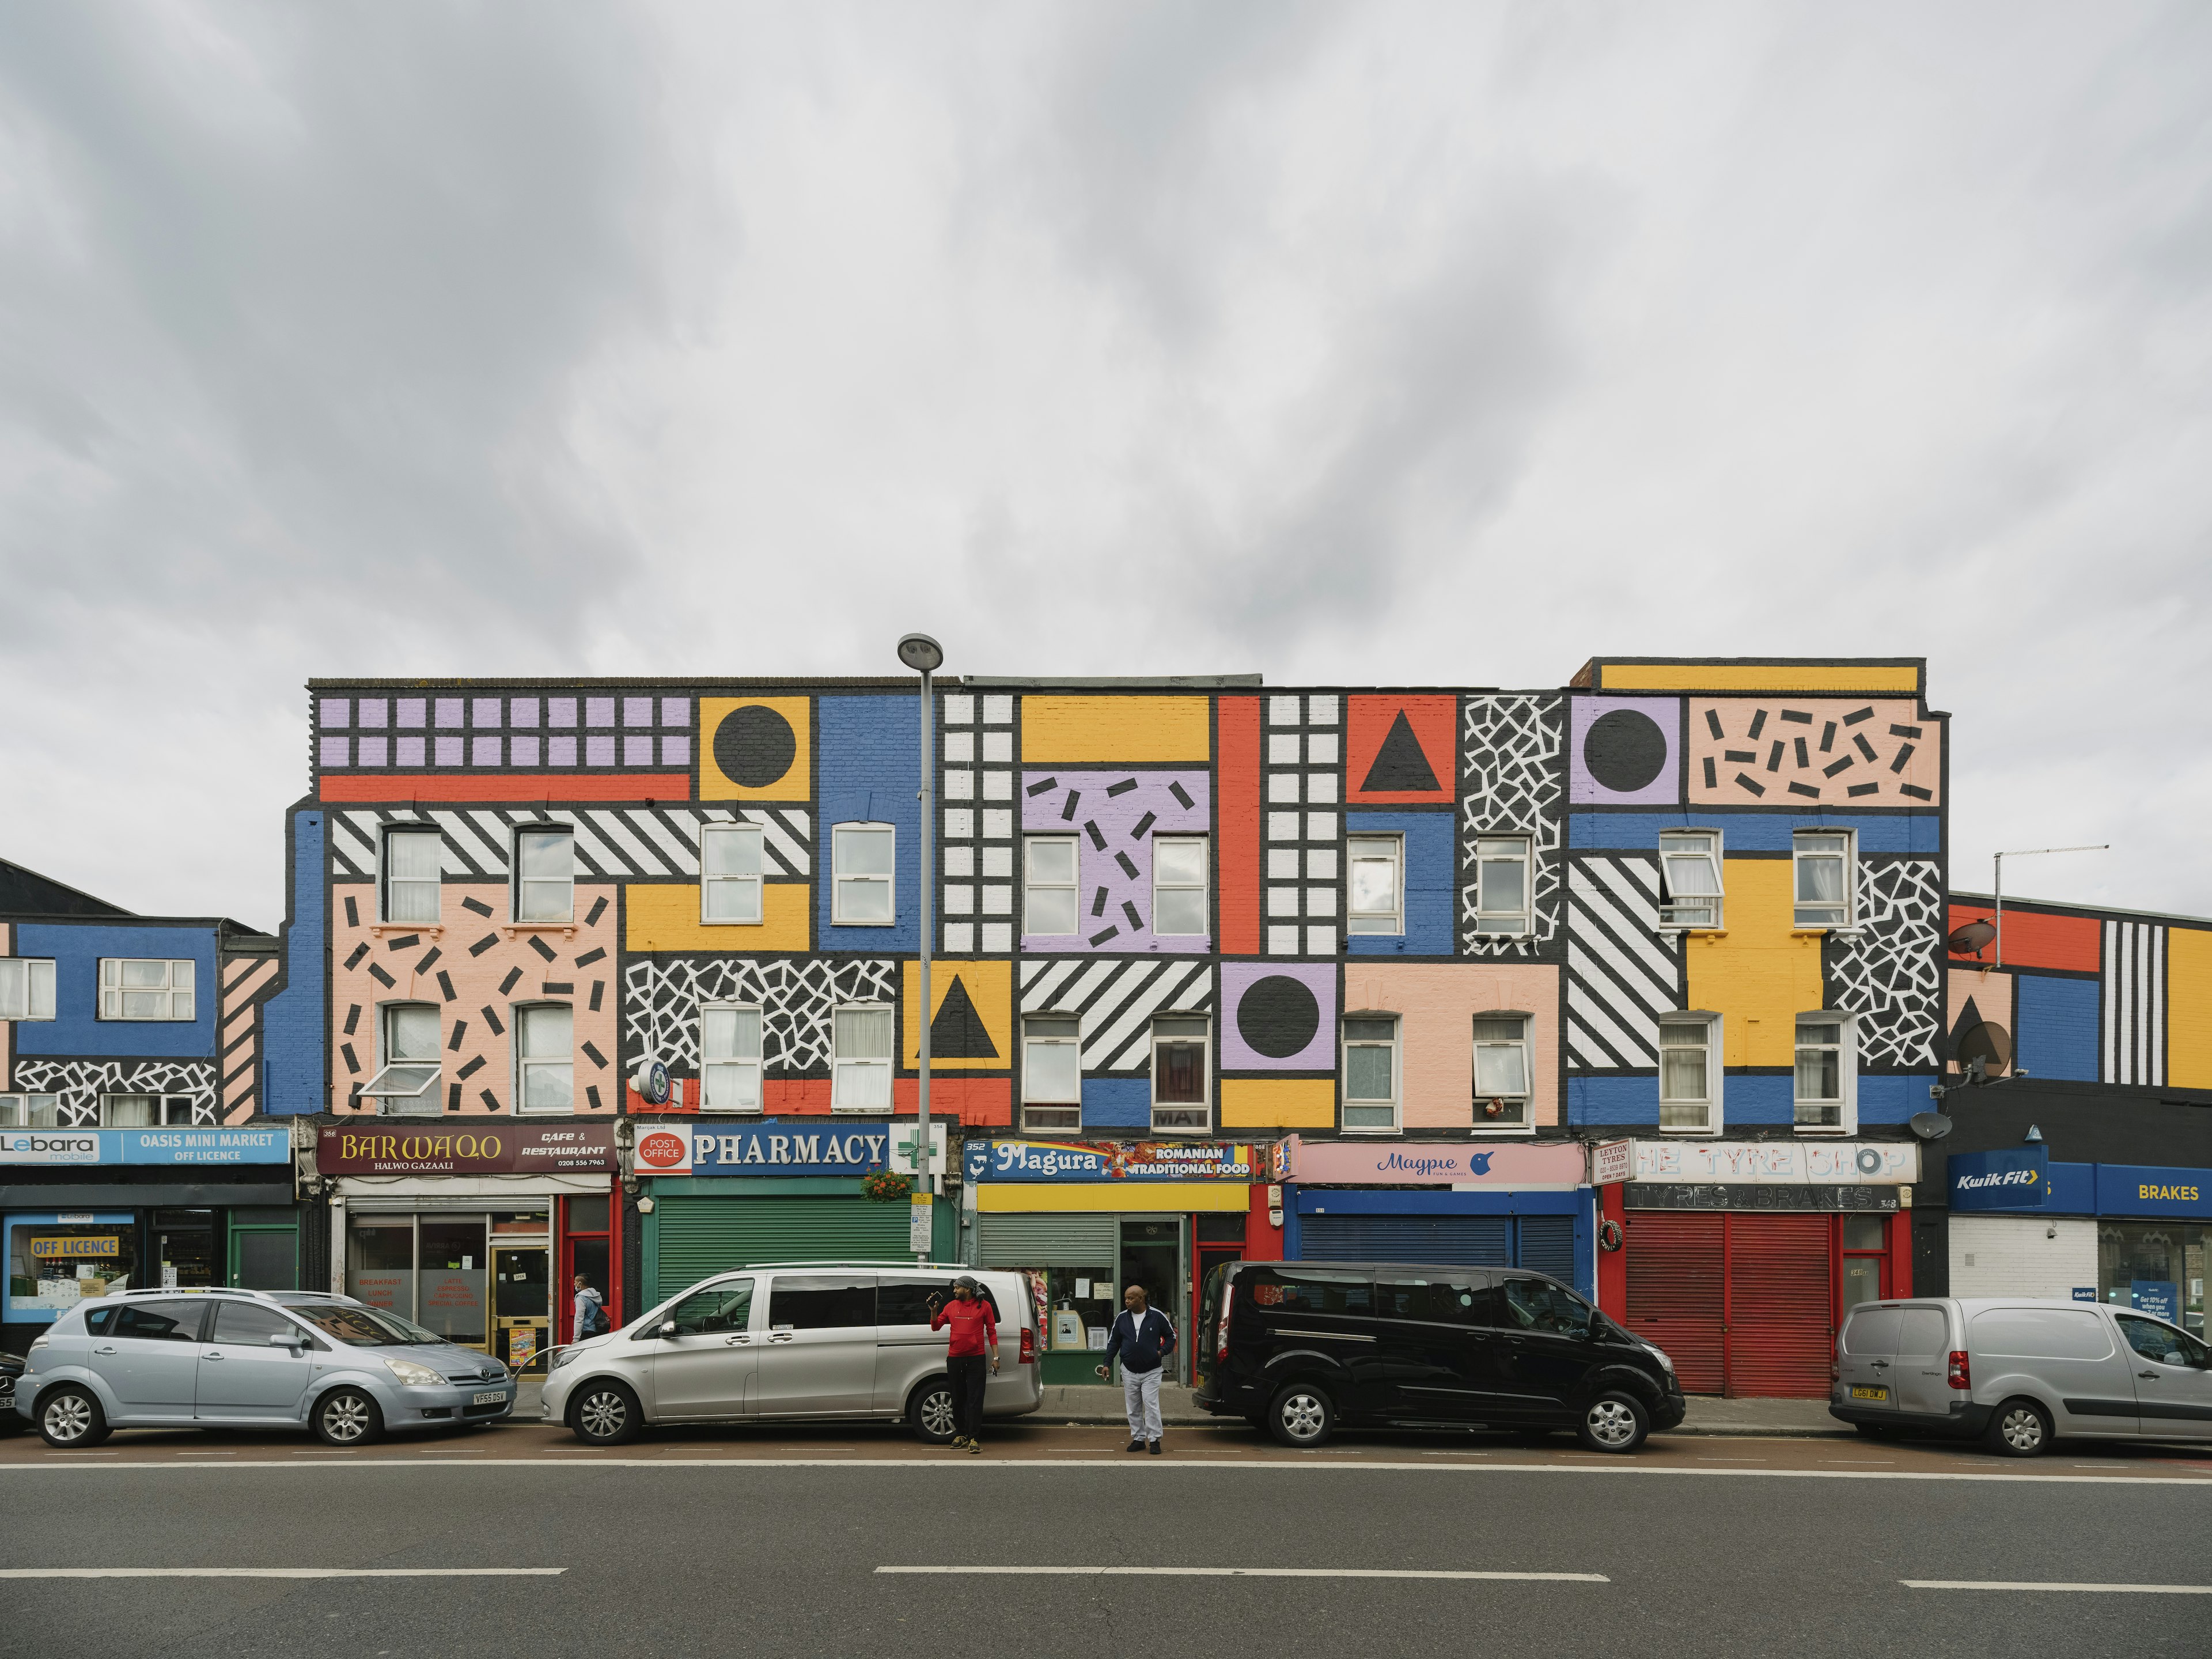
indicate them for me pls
(1029, 1346)
(1221, 1335)
(1960, 1377)
(1835, 1365)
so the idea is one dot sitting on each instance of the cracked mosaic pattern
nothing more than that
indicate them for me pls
(1890, 973)
(661, 1001)
(79, 1084)
(1512, 783)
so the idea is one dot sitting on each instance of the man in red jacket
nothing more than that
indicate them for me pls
(973, 1330)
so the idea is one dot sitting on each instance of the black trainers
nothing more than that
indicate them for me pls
(1154, 1449)
(1136, 1445)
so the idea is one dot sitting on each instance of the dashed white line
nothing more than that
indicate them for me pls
(2018, 1585)
(282, 1572)
(1244, 1572)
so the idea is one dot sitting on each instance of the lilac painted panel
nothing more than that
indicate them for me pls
(487, 751)
(676, 711)
(1625, 751)
(1267, 1007)
(411, 711)
(372, 752)
(449, 751)
(407, 751)
(561, 711)
(675, 751)
(522, 711)
(338, 711)
(334, 750)
(637, 711)
(637, 751)
(485, 712)
(598, 711)
(1114, 835)
(449, 710)
(598, 751)
(372, 711)
(522, 751)
(560, 751)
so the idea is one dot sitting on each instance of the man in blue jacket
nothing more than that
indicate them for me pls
(1144, 1338)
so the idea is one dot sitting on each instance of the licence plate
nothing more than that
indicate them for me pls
(1869, 1394)
(492, 1399)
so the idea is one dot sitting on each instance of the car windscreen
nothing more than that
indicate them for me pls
(365, 1328)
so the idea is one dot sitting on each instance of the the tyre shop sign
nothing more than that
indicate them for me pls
(497, 1148)
(1778, 1163)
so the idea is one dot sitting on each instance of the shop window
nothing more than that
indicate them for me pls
(1824, 880)
(2157, 1267)
(1377, 865)
(1180, 1097)
(1689, 1072)
(863, 890)
(1690, 878)
(53, 1266)
(134, 988)
(1825, 1080)
(545, 1056)
(26, 987)
(414, 860)
(730, 1051)
(1048, 904)
(144, 1111)
(1502, 885)
(1371, 1071)
(453, 1273)
(381, 1262)
(1052, 1072)
(30, 1111)
(1179, 884)
(406, 1079)
(545, 874)
(1865, 1259)
(860, 1059)
(1501, 1071)
(730, 873)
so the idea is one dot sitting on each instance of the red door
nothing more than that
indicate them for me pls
(1677, 1291)
(1743, 1305)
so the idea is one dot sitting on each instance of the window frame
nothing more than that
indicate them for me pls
(519, 1020)
(1715, 1056)
(112, 990)
(170, 1111)
(1847, 1075)
(516, 880)
(385, 878)
(1203, 886)
(1526, 845)
(1073, 886)
(386, 1013)
(839, 1064)
(21, 1101)
(1063, 1039)
(708, 1062)
(1394, 918)
(757, 880)
(1718, 899)
(1394, 1043)
(1850, 855)
(31, 979)
(1527, 1043)
(839, 880)
(1154, 1037)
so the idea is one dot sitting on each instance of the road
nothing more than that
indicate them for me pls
(774, 1542)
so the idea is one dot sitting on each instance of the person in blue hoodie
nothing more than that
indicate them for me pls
(1143, 1337)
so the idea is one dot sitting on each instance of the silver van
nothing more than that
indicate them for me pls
(785, 1341)
(2017, 1372)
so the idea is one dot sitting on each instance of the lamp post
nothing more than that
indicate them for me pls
(924, 656)
(2022, 853)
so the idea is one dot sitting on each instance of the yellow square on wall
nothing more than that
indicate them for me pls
(755, 748)
(971, 1022)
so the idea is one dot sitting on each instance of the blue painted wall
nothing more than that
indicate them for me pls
(77, 1031)
(1432, 883)
(2057, 1027)
(868, 769)
(1630, 1100)
(1756, 832)
(297, 1072)
(1117, 1102)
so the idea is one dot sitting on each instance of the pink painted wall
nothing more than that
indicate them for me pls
(1436, 1003)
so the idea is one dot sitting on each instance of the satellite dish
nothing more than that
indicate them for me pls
(1989, 1044)
(1968, 938)
(1929, 1126)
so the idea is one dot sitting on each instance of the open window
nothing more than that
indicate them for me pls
(1690, 876)
(411, 1063)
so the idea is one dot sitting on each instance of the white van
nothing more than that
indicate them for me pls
(786, 1341)
(2018, 1372)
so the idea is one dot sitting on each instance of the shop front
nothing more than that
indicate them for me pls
(719, 1195)
(86, 1211)
(1083, 1220)
(463, 1232)
(1517, 1205)
(1739, 1259)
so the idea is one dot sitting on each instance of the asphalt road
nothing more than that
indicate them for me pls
(771, 1542)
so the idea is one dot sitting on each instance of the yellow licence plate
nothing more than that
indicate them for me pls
(1869, 1394)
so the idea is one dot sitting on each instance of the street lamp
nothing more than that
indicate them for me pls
(924, 656)
(1998, 922)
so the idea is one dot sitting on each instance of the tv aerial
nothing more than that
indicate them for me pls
(1985, 1058)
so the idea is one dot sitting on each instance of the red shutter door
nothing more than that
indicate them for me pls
(1779, 1327)
(1676, 1294)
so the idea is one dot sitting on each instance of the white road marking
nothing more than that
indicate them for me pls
(1731, 1459)
(2090, 1589)
(1243, 1572)
(282, 1572)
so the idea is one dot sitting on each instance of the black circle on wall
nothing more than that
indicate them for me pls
(1624, 750)
(754, 746)
(1278, 1017)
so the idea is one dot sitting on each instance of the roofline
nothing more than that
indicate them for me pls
(2012, 901)
(65, 887)
(131, 918)
(659, 681)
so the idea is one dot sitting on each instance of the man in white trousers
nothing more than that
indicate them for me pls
(1143, 1339)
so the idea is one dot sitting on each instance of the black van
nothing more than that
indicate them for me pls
(1301, 1347)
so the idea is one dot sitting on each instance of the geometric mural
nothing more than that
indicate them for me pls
(1509, 750)
(1622, 751)
(1622, 973)
(645, 840)
(2133, 1032)
(1889, 973)
(1116, 1001)
(795, 995)
(1747, 751)
(80, 1083)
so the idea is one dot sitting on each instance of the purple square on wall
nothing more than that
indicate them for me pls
(676, 751)
(487, 754)
(637, 711)
(372, 752)
(410, 711)
(560, 711)
(449, 751)
(600, 751)
(637, 751)
(334, 754)
(1112, 817)
(523, 711)
(449, 711)
(560, 751)
(598, 711)
(522, 751)
(1623, 752)
(372, 711)
(338, 711)
(1278, 1016)
(486, 712)
(676, 711)
(410, 751)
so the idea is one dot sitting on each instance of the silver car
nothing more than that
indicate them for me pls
(2018, 1371)
(259, 1359)
(783, 1341)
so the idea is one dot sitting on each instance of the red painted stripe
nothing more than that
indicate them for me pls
(2036, 939)
(508, 786)
(1238, 803)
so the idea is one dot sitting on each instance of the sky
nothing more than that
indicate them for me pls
(1417, 344)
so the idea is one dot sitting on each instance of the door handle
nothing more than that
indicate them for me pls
(211, 1355)
(736, 1341)
(1883, 1364)
(110, 1348)
(2152, 1376)
(780, 1336)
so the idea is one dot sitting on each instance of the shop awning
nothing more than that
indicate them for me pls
(1121, 1197)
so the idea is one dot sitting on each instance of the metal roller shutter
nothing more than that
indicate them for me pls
(1465, 1241)
(1678, 1292)
(703, 1236)
(1547, 1246)
(1040, 1241)
(1779, 1296)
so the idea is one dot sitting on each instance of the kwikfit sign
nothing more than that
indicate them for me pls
(2017, 1179)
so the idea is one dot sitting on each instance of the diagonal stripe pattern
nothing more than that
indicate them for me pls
(1622, 973)
(1116, 1000)
(640, 841)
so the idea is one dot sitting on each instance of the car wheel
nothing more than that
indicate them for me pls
(347, 1417)
(70, 1417)
(1301, 1416)
(2019, 1429)
(929, 1411)
(605, 1414)
(1616, 1421)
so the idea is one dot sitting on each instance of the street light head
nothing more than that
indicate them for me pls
(921, 653)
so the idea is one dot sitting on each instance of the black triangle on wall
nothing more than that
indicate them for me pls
(1399, 763)
(1969, 1016)
(958, 1031)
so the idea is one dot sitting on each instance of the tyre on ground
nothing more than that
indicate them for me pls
(1302, 1416)
(929, 1411)
(347, 1417)
(2020, 1428)
(1614, 1421)
(71, 1416)
(605, 1413)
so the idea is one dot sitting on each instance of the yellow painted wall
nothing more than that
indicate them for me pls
(794, 785)
(1115, 731)
(990, 987)
(666, 918)
(2188, 1008)
(1757, 676)
(1287, 1103)
(1757, 973)
(1022, 1198)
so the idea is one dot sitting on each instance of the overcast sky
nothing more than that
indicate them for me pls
(1435, 345)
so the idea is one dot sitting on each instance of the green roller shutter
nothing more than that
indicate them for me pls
(703, 1236)
(1039, 1241)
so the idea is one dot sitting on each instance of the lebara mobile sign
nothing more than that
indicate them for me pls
(209, 1146)
(497, 1147)
(1531, 1166)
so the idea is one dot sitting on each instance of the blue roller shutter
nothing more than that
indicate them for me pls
(1465, 1240)
(1547, 1246)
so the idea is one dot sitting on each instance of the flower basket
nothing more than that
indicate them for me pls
(886, 1186)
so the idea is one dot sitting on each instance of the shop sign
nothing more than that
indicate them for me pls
(2154, 1189)
(1113, 1160)
(2017, 1178)
(209, 1145)
(1436, 1163)
(497, 1148)
(2157, 1298)
(770, 1147)
(1612, 1163)
(1770, 1195)
(1778, 1162)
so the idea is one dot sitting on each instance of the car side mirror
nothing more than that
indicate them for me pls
(667, 1328)
(287, 1339)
